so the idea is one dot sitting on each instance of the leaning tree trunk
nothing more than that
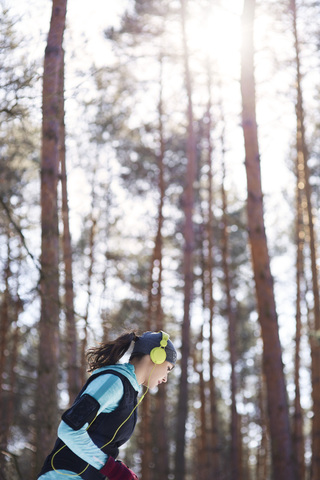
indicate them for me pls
(281, 444)
(46, 406)
(188, 203)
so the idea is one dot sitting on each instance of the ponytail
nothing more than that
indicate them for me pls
(109, 353)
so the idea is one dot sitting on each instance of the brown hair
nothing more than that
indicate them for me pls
(109, 353)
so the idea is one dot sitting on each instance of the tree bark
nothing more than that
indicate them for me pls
(49, 282)
(188, 203)
(281, 444)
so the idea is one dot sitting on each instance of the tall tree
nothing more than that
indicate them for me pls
(303, 171)
(92, 231)
(154, 321)
(214, 449)
(272, 356)
(297, 423)
(263, 454)
(188, 204)
(4, 341)
(46, 421)
(236, 472)
(74, 376)
(161, 459)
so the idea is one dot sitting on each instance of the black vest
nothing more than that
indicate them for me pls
(101, 432)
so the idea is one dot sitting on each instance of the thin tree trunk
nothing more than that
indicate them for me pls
(91, 256)
(155, 313)
(188, 203)
(145, 439)
(17, 308)
(4, 341)
(298, 437)
(214, 449)
(46, 402)
(201, 469)
(236, 472)
(263, 454)
(303, 157)
(161, 459)
(281, 443)
(74, 379)
(4, 318)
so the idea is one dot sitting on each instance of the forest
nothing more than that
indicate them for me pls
(159, 170)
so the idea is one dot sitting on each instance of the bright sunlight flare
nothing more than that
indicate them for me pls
(216, 34)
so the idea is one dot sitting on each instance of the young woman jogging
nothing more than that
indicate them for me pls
(104, 415)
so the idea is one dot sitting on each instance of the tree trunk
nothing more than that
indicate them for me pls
(214, 449)
(16, 309)
(161, 459)
(4, 342)
(236, 471)
(47, 407)
(188, 202)
(92, 240)
(281, 444)
(263, 454)
(303, 166)
(201, 464)
(74, 379)
(155, 462)
(298, 437)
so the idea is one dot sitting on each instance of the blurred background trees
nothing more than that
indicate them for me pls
(186, 198)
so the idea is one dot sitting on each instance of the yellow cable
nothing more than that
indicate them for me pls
(78, 474)
(68, 474)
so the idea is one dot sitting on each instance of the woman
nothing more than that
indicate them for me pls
(104, 414)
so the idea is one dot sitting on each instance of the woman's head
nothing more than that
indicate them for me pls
(111, 352)
(153, 356)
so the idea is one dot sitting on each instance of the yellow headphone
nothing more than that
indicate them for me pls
(158, 354)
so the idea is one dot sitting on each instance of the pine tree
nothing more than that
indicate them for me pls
(49, 283)
(188, 205)
(272, 360)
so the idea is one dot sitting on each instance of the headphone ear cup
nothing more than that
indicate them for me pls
(158, 355)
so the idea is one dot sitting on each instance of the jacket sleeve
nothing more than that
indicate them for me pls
(108, 391)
